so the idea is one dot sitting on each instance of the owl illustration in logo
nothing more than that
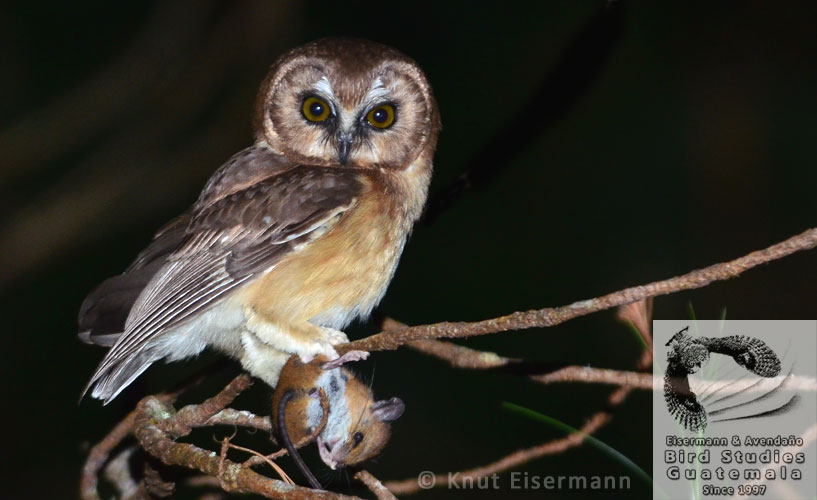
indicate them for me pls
(687, 356)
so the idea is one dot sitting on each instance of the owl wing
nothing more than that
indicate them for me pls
(228, 240)
(104, 311)
(749, 352)
(681, 401)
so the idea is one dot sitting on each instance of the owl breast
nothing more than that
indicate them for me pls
(344, 273)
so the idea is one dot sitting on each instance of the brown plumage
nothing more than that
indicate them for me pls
(292, 238)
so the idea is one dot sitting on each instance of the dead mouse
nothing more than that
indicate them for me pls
(357, 428)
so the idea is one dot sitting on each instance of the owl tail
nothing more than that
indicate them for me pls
(111, 378)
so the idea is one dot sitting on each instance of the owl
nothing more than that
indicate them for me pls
(292, 238)
(687, 356)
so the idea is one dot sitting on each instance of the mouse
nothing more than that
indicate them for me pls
(357, 427)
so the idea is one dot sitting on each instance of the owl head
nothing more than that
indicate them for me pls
(347, 102)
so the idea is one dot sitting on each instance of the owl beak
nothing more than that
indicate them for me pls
(344, 144)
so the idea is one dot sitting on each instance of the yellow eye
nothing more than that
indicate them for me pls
(315, 109)
(381, 117)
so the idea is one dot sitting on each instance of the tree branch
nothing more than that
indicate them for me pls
(149, 422)
(196, 415)
(99, 455)
(101, 451)
(156, 425)
(374, 485)
(593, 424)
(588, 375)
(242, 418)
(597, 421)
(465, 357)
(552, 316)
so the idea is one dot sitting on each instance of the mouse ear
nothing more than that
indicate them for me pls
(388, 410)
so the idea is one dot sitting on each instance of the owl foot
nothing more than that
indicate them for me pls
(346, 358)
(302, 338)
(335, 337)
(325, 345)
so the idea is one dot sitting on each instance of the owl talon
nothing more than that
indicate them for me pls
(335, 337)
(346, 358)
(319, 348)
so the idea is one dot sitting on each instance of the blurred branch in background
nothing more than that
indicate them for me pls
(573, 75)
(106, 98)
(138, 167)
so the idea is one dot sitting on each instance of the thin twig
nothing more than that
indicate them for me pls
(459, 356)
(514, 459)
(240, 418)
(589, 375)
(374, 485)
(646, 381)
(552, 316)
(465, 357)
(197, 415)
(593, 424)
(619, 395)
(277, 468)
(638, 315)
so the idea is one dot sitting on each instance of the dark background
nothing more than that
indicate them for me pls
(680, 135)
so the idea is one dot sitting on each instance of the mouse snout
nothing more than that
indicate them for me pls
(330, 443)
(328, 451)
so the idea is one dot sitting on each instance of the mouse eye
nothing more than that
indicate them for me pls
(357, 439)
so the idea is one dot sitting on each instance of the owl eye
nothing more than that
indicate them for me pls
(357, 438)
(315, 109)
(381, 116)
